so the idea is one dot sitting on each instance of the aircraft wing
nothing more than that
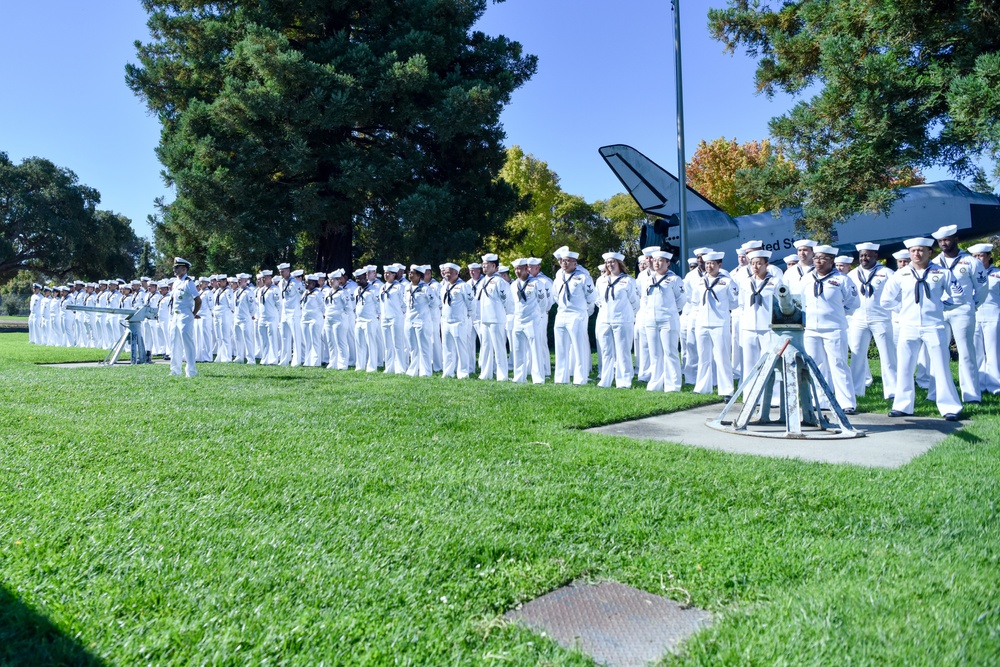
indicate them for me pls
(656, 190)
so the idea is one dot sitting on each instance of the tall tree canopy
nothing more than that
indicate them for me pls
(50, 224)
(299, 129)
(550, 217)
(897, 85)
(719, 168)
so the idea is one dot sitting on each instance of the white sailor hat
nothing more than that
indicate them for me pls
(520, 261)
(243, 276)
(163, 284)
(475, 265)
(843, 259)
(119, 281)
(919, 242)
(663, 254)
(232, 279)
(266, 272)
(945, 232)
(46, 289)
(791, 259)
(826, 250)
(298, 273)
(714, 256)
(490, 257)
(867, 246)
(701, 251)
(763, 254)
(561, 252)
(534, 261)
(753, 245)
(980, 247)
(692, 261)
(80, 282)
(312, 276)
(102, 282)
(569, 254)
(741, 251)
(649, 250)
(371, 267)
(360, 272)
(503, 269)
(388, 268)
(901, 254)
(136, 281)
(416, 267)
(180, 261)
(613, 255)
(339, 273)
(284, 265)
(805, 243)
(37, 285)
(425, 268)
(145, 279)
(448, 265)
(320, 274)
(171, 280)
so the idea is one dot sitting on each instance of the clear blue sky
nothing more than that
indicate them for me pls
(605, 75)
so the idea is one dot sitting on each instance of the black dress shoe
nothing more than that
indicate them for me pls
(951, 417)
(899, 413)
(727, 398)
(850, 411)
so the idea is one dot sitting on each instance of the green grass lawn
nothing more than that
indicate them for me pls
(300, 516)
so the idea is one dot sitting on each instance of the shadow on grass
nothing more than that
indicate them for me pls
(29, 639)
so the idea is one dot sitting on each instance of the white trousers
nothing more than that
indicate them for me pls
(290, 333)
(664, 361)
(737, 348)
(962, 323)
(394, 344)
(421, 343)
(270, 346)
(714, 355)
(828, 350)
(754, 343)
(243, 341)
(312, 343)
(182, 347)
(526, 354)
(366, 341)
(456, 357)
(493, 355)
(223, 330)
(935, 340)
(572, 349)
(859, 337)
(338, 344)
(614, 345)
(988, 355)
(542, 343)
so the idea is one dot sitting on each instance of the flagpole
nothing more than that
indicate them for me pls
(681, 160)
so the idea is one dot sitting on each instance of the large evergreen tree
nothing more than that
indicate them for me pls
(304, 129)
(894, 84)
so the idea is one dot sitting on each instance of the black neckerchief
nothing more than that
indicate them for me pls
(449, 288)
(710, 289)
(756, 299)
(818, 283)
(656, 283)
(866, 285)
(611, 286)
(305, 297)
(485, 287)
(360, 296)
(920, 281)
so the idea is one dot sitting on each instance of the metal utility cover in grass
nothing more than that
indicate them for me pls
(614, 624)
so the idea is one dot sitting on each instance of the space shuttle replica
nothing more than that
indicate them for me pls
(919, 210)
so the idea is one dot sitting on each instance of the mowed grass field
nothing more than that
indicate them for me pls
(294, 516)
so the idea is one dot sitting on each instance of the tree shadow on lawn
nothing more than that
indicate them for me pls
(29, 639)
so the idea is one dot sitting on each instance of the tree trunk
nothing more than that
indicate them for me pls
(334, 249)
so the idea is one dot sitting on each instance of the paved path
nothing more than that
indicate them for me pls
(889, 443)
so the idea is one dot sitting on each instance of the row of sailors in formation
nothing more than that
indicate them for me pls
(716, 321)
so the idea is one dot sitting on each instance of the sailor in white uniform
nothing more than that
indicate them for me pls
(988, 322)
(186, 302)
(34, 308)
(828, 299)
(366, 323)
(923, 291)
(661, 302)
(971, 275)
(418, 323)
(457, 307)
(542, 323)
(337, 305)
(756, 302)
(871, 320)
(575, 298)
(493, 295)
(618, 307)
(643, 277)
(475, 333)
(529, 297)
(717, 295)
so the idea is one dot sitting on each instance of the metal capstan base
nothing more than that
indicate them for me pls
(799, 413)
(131, 336)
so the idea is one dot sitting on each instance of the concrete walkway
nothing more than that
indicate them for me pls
(889, 443)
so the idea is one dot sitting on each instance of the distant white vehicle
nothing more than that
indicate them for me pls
(920, 210)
